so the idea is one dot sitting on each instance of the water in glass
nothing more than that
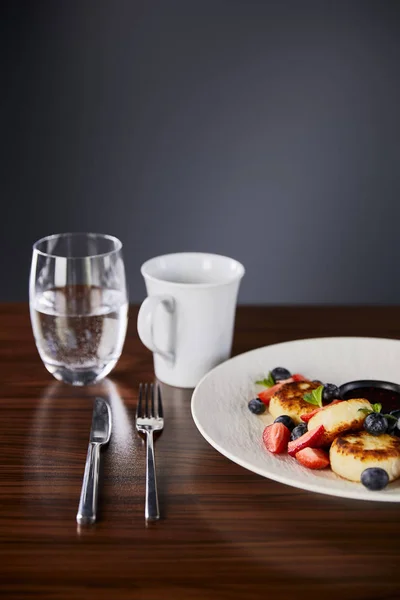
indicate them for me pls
(79, 328)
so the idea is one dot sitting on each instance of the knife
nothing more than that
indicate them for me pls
(99, 435)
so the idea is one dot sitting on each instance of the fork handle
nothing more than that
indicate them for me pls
(152, 511)
(88, 501)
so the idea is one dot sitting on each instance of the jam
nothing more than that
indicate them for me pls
(385, 393)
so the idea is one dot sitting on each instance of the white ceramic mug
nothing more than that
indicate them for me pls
(188, 317)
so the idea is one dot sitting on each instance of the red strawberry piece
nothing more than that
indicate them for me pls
(313, 458)
(289, 380)
(311, 439)
(276, 438)
(298, 377)
(266, 395)
(310, 415)
(307, 416)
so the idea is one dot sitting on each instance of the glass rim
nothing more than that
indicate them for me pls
(54, 236)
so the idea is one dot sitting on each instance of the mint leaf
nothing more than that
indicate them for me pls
(310, 399)
(268, 382)
(315, 397)
(375, 408)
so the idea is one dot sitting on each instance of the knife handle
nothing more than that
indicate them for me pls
(88, 501)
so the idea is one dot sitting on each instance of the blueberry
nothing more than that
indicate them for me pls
(280, 373)
(286, 420)
(392, 426)
(256, 406)
(330, 392)
(376, 424)
(298, 431)
(396, 429)
(374, 478)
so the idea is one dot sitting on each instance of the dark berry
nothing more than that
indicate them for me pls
(392, 426)
(396, 429)
(374, 478)
(279, 373)
(376, 424)
(256, 406)
(298, 431)
(286, 420)
(330, 392)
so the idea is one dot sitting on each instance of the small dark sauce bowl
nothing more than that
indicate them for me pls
(384, 392)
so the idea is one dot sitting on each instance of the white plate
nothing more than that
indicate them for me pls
(219, 405)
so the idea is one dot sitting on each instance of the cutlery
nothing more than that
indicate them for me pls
(150, 418)
(99, 435)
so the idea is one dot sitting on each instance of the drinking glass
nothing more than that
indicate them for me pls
(79, 305)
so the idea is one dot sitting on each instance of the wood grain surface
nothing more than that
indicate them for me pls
(224, 533)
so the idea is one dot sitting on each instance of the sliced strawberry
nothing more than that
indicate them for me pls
(298, 377)
(313, 458)
(289, 380)
(276, 438)
(311, 439)
(310, 415)
(307, 416)
(266, 395)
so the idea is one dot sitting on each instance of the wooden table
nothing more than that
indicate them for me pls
(225, 532)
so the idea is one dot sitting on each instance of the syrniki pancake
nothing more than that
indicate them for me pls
(350, 454)
(288, 400)
(339, 418)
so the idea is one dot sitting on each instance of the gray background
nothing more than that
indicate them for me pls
(267, 131)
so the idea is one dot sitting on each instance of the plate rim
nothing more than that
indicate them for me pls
(358, 494)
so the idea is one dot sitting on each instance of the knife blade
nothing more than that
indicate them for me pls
(99, 436)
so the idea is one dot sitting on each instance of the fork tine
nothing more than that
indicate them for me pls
(146, 391)
(159, 408)
(139, 404)
(152, 413)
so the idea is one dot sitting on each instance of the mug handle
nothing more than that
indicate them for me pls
(145, 322)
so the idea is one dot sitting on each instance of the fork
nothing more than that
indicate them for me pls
(150, 418)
